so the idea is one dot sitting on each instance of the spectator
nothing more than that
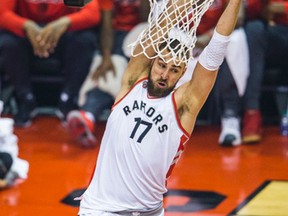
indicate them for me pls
(233, 79)
(266, 30)
(268, 44)
(103, 82)
(30, 30)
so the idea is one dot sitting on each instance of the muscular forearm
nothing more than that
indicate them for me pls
(212, 56)
(107, 36)
(228, 19)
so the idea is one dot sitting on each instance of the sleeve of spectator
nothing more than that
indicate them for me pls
(9, 20)
(88, 17)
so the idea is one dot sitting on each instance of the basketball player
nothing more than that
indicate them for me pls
(150, 123)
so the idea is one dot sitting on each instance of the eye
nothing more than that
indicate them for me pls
(174, 70)
(162, 65)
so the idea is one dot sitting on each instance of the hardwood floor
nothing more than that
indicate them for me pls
(208, 180)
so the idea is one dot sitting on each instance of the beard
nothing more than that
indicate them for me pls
(158, 92)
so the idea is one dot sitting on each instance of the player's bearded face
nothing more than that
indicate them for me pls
(155, 91)
(163, 76)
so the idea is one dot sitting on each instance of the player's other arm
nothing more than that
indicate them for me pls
(191, 96)
(138, 66)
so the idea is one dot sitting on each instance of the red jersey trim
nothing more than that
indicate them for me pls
(183, 140)
(177, 117)
(136, 83)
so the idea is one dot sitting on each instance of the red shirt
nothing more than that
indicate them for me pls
(106, 4)
(211, 17)
(14, 13)
(253, 9)
(126, 13)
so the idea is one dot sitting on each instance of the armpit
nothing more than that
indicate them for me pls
(183, 109)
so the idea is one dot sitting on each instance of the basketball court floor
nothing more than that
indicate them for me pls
(209, 180)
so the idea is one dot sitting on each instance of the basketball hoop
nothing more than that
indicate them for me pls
(168, 21)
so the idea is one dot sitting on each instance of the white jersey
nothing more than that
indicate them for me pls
(142, 142)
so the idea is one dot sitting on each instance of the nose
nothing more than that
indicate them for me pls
(164, 74)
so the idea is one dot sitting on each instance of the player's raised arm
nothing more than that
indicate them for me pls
(191, 96)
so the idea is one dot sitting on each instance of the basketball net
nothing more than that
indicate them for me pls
(180, 23)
